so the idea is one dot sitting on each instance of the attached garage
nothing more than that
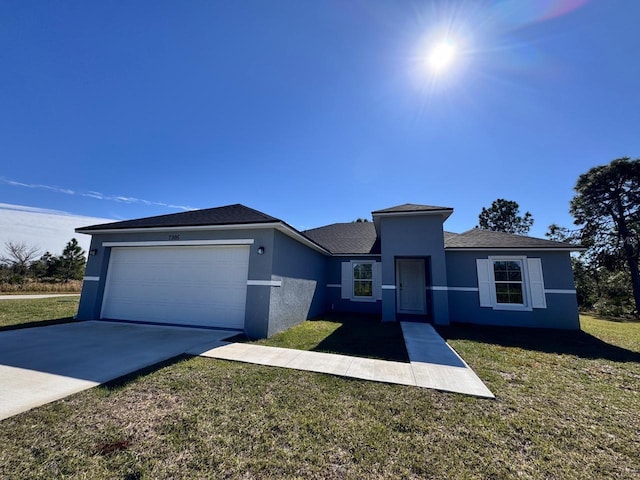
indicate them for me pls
(196, 285)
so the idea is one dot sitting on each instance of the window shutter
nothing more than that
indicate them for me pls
(347, 280)
(484, 282)
(536, 283)
(377, 280)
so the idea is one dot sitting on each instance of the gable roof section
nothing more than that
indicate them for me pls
(228, 215)
(347, 238)
(412, 207)
(485, 239)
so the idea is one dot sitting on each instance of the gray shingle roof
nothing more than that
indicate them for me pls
(358, 238)
(228, 215)
(411, 207)
(361, 238)
(478, 238)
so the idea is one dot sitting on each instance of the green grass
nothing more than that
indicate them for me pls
(361, 336)
(37, 312)
(567, 406)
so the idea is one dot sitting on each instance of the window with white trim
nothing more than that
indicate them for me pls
(511, 283)
(362, 279)
(508, 282)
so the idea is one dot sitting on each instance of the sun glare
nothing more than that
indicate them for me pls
(442, 56)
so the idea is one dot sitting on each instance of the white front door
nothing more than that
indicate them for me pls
(410, 286)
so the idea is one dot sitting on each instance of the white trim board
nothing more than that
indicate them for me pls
(90, 279)
(446, 212)
(553, 290)
(265, 283)
(452, 289)
(180, 243)
(281, 227)
(524, 250)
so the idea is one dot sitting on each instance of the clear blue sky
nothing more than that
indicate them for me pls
(313, 111)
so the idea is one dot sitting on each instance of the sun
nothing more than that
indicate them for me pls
(442, 56)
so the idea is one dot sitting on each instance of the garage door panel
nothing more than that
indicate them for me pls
(182, 285)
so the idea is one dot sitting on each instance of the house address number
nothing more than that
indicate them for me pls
(174, 237)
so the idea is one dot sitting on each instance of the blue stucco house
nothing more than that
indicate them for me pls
(237, 268)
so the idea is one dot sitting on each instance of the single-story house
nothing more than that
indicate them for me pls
(235, 267)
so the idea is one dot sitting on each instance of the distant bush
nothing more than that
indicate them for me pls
(33, 286)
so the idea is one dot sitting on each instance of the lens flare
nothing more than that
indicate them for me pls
(442, 56)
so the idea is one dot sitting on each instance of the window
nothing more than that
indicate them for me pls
(507, 275)
(362, 279)
(511, 283)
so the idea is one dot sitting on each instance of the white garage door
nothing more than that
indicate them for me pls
(195, 285)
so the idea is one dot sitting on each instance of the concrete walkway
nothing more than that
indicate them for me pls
(33, 296)
(436, 365)
(433, 363)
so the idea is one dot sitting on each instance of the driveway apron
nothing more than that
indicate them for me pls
(43, 364)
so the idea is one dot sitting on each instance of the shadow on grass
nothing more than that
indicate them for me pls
(608, 318)
(567, 342)
(123, 381)
(364, 336)
(37, 323)
(356, 336)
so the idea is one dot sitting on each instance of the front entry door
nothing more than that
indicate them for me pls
(410, 286)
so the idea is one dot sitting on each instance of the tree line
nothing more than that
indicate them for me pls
(21, 263)
(606, 212)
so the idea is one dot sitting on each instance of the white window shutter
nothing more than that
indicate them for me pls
(377, 280)
(347, 280)
(484, 282)
(536, 283)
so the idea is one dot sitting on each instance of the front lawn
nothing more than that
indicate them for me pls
(567, 406)
(22, 313)
(361, 336)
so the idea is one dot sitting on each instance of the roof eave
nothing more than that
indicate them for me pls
(516, 249)
(446, 213)
(280, 226)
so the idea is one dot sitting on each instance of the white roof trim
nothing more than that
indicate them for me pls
(187, 228)
(446, 213)
(280, 226)
(287, 230)
(514, 249)
(180, 243)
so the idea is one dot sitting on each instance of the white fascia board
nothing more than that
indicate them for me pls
(445, 213)
(356, 255)
(281, 227)
(191, 228)
(519, 249)
(291, 232)
(180, 243)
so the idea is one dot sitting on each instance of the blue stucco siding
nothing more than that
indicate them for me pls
(334, 300)
(260, 267)
(419, 236)
(302, 273)
(561, 310)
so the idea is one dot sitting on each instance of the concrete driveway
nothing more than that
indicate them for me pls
(43, 364)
